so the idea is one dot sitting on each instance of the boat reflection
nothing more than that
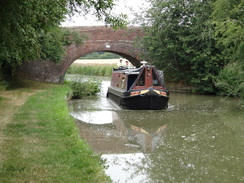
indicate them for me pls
(108, 133)
(135, 134)
(147, 141)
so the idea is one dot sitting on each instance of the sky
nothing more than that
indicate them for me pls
(122, 6)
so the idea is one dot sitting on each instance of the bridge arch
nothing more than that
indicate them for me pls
(105, 39)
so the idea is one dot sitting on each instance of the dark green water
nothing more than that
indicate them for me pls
(198, 139)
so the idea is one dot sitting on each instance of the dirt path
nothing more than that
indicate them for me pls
(12, 101)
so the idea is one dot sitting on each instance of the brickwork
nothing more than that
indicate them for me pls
(105, 39)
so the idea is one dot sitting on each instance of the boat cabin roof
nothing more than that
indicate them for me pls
(130, 71)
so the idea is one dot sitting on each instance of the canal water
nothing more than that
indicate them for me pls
(199, 139)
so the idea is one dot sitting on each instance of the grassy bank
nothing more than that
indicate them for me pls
(40, 143)
(92, 70)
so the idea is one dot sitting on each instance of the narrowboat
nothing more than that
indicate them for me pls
(140, 88)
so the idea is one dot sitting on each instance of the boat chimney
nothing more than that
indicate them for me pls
(144, 62)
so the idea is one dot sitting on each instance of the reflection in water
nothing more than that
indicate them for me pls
(147, 141)
(203, 140)
(131, 133)
(123, 167)
(94, 117)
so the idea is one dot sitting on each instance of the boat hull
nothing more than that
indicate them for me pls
(140, 102)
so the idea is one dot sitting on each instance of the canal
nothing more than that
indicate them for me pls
(197, 139)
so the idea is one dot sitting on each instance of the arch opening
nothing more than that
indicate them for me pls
(101, 63)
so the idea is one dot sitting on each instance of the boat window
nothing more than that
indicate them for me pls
(123, 82)
(141, 80)
(131, 80)
(155, 80)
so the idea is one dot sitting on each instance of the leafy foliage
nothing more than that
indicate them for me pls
(53, 43)
(180, 40)
(21, 24)
(228, 17)
(29, 28)
(72, 37)
(79, 88)
(231, 80)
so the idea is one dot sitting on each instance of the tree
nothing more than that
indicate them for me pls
(180, 39)
(228, 18)
(26, 27)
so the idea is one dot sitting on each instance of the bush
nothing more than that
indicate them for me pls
(3, 85)
(231, 80)
(79, 88)
(72, 37)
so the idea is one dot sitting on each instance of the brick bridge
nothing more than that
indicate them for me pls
(99, 38)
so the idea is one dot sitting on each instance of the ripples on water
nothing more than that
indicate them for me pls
(198, 139)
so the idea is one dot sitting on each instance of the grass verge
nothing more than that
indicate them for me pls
(41, 143)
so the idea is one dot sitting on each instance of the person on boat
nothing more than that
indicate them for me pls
(127, 64)
(120, 64)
